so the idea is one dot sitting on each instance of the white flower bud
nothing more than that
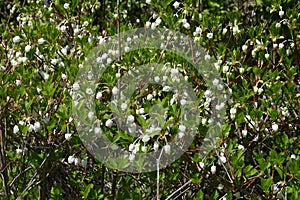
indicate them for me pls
(255, 89)
(157, 21)
(97, 130)
(77, 161)
(41, 40)
(220, 187)
(166, 89)
(223, 159)
(66, 6)
(63, 76)
(145, 138)
(108, 123)
(27, 48)
(281, 45)
(209, 35)
(68, 136)
(76, 86)
(89, 91)
(253, 52)
(19, 152)
(16, 39)
(235, 30)
(142, 111)
(149, 97)
(241, 147)
(71, 159)
(182, 128)
(244, 47)
(155, 146)
(37, 126)
(215, 81)
(267, 56)
(180, 135)
(241, 69)
(123, 106)
(167, 149)
(144, 149)
(201, 164)
(131, 147)
(98, 95)
(244, 133)
(275, 127)
(207, 57)
(198, 30)
(16, 129)
(83, 163)
(213, 169)
(176, 4)
(85, 23)
(148, 24)
(131, 157)
(278, 25)
(18, 82)
(281, 13)
(186, 25)
(225, 68)
(183, 102)
(232, 110)
(115, 90)
(130, 118)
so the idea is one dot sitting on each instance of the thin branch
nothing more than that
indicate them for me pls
(119, 42)
(157, 174)
(229, 176)
(16, 177)
(181, 193)
(169, 197)
(3, 168)
(119, 35)
(33, 179)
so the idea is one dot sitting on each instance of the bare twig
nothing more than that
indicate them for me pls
(170, 196)
(157, 174)
(16, 177)
(3, 168)
(119, 35)
(181, 193)
(33, 181)
(229, 176)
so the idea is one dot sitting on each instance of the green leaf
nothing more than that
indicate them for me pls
(279, 171)
(285, 140)
(87, 190)
(263, 164)
(266, 184)
(166, 3)
(28, 104)
(55, 192)
(199, 195)
(250, 171)
(214, 196)
(273, 113)
(196, 179)
(240, 117)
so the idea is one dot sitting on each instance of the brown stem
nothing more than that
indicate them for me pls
(3, 168)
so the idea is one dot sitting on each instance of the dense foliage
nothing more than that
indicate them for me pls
(255, 45)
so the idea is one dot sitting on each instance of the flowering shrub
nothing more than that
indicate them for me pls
(254, 45)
